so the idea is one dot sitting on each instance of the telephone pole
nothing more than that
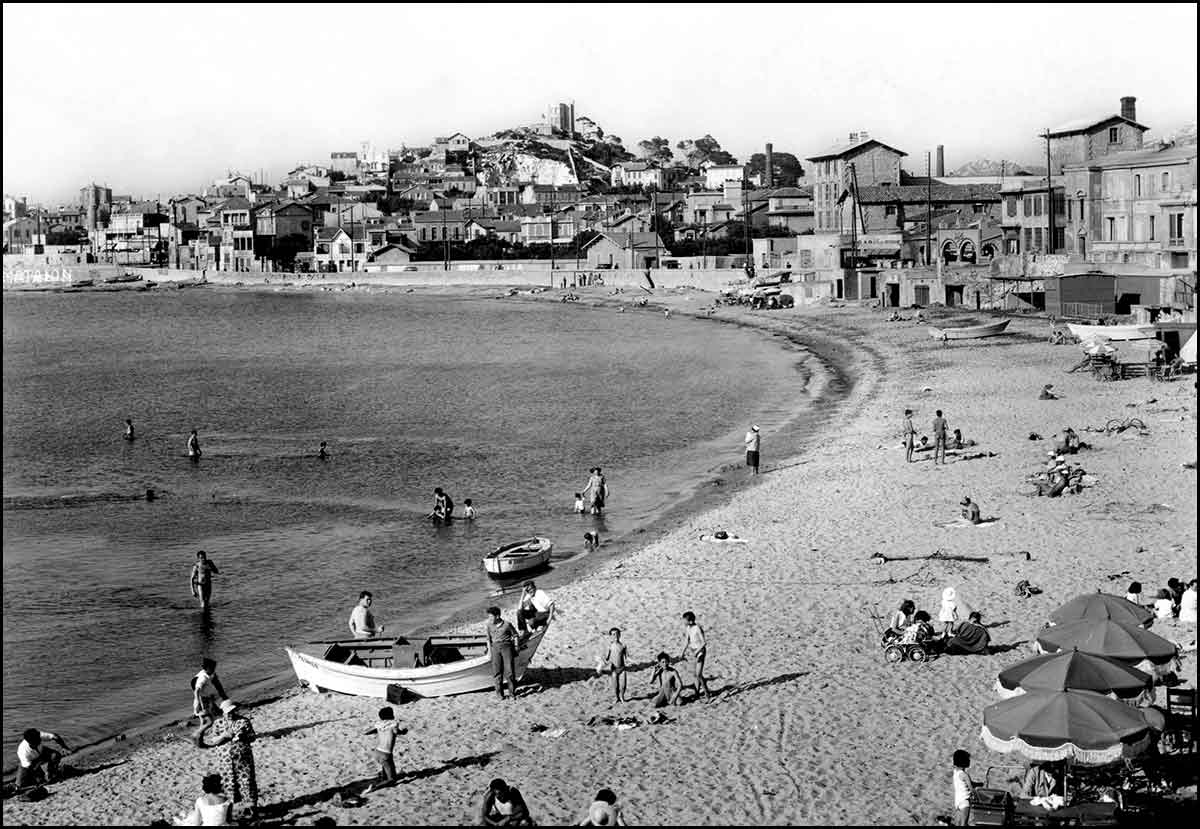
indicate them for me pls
(1049, 197)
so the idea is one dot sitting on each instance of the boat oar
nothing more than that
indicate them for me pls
(880, 558)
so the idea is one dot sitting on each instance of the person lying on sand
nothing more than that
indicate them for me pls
(957, 441)
(1046, 393)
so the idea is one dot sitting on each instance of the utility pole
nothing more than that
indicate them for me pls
(853, 232)
(445, 240)
(1049, 197)
(746, 220)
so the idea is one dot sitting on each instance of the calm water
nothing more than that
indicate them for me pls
(505, 403)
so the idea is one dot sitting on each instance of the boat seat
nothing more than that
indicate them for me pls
(343, 655)
(410, 653)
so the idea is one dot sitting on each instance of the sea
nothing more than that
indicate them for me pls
(506, 402)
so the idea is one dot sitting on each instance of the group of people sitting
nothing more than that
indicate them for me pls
(1173, 601)
(503, 805)
(1058, 477)
(909, 626)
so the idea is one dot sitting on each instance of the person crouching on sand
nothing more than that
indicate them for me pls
(970, 510)
(604, 811)
(503, 805)
(670, 685)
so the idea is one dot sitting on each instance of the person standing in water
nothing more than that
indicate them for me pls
(128, 429)
(202, 572)
(323, 452)
(193, 446)
(752, 446)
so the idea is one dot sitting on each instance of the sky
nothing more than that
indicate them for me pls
(161, 99)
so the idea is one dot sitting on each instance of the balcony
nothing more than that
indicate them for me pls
(1177, 243)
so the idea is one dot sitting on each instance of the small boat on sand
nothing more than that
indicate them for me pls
(1112, 332)
(518, 557)
(437, 666)
(969, 332)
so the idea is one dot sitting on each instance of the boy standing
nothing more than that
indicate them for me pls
(202, 572)
(752, 446)
(614, 663)
(502, 650)
(468, 510)
(695, 650)
(939, 437)
(963, 786)
(387, 728)
(910, 435)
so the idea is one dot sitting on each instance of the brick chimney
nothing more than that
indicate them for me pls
(1129, 107)
(941, 160)
(770, 164)
(853, 138)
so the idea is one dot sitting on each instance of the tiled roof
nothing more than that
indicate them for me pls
(1143, 158)
(790, 193)
(636, 241)
(1087, 124)
(839, 150)
(916, 194)
(438, 216)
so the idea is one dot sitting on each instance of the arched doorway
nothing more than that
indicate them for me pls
(948, 252)
(966, 253)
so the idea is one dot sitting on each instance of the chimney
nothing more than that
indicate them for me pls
(941, 160)
(1129, 107)
(853, 138)
(770, 163)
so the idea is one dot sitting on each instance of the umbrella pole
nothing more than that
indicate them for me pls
(1067, 782)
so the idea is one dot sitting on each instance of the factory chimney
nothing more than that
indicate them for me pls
(1129, 107)
(770, 164)
(941, 160)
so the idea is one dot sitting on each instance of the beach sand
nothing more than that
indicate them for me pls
(809, 724)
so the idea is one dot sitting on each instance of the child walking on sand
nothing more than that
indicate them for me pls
(387, 728)
(614, 663)
(963, 786)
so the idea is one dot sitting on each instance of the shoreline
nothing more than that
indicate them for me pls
(771, 669)
(701, 496)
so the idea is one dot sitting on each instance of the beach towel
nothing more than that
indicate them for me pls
(962, 522)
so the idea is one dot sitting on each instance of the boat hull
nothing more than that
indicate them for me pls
(969, 332)
(462, 677)
(1112, 332)
(515, 558)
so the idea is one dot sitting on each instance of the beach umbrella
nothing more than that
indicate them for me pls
(1102, 606)
(1073, 670)
(1128, 643)
(1078, 726)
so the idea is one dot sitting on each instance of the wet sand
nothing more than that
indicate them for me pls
(809, 724)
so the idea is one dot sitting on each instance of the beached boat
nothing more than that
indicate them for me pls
(125, 277)
(439, 666)
(1112, 332)
(518, 557)
(969, 332)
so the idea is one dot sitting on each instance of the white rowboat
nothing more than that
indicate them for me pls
(439, 666)
(969, 332)
(1112, 332)
(518, 557)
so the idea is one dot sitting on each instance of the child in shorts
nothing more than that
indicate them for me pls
(614, 663)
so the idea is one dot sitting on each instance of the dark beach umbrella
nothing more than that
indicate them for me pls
(1079, 726)
(1105, 637)
(1102, 606)
(1073, 670)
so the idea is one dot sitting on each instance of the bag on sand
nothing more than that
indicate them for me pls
(1026, 590)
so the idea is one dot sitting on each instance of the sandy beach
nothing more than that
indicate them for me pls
(809, 724)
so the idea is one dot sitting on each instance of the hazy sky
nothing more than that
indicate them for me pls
(161, 99)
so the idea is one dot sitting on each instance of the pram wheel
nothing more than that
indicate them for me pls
(917, 654)
(893, 653)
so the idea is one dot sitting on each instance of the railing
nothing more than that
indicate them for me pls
(1090, 310)
(1176, 243)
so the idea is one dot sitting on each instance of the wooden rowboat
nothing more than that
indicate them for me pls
(518, 557)
(969, 332)
(439, 666)
(1112, 332)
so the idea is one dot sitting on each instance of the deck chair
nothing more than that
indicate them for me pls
(1181, 719)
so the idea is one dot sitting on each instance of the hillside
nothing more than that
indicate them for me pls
(987, 167)
(524, 154)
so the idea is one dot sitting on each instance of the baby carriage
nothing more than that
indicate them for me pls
(910, 645)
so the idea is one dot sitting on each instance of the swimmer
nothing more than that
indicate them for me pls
(193, 446)
(323, 453)
(128, 429)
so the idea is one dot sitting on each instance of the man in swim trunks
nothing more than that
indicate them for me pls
(939, 437)
(910, 435)
(695, 651)
(614, 663)
(362, 621)
(202, 572)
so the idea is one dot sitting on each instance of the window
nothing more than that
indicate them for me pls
(1151, 228)
(1175, 226)
(1068, 209)
(1037, 205)
(1137, 186)
(424, 234)
(1081, 216)
(1060, 239)
(1114, 135)
(1010, 206)
(1028, 211)
(1112, 229)
(1028, 238)
(1037, 238)
(889, 210)
(1166, 182)
(304, 226)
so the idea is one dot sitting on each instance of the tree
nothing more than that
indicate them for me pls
(699, 150)
(656, 149)
(787, 168)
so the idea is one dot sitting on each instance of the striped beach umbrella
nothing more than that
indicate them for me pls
(1102, 606)
(1073, 670)
(1128, 643)
(1080, 726)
